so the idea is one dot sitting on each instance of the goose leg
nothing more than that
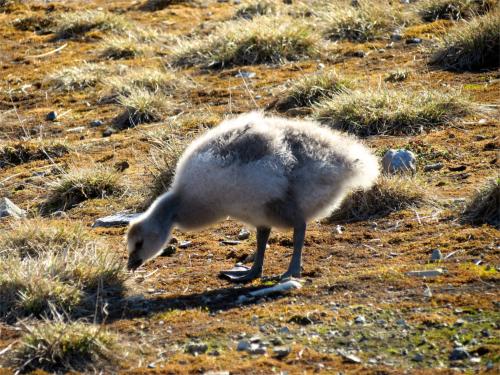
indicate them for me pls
(256, 270)
(299, 233)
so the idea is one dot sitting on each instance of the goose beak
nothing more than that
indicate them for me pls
(134, 262)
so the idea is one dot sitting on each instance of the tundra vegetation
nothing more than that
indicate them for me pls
(98, 100)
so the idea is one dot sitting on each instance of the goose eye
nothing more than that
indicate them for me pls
(138, 245)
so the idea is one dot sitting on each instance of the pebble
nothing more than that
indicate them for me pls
(349, 358)
(458, 354)
(196, 348)
(245, 75)
(96, 123)
(51, 116)
(120, 219)
(399, 161)
(360, 319)
(281, 351)
(230, 242)
(243, 346)
(436, 255)
(418, 357)
(78, 129)
(168, 251)
(459, 323)
(433, 167)
(396, 37)
(257, 348)
(108, 132)
(244, 234)
(426, 273)
(184, 244)
(413, 41)
(485, 333)
(8, 208)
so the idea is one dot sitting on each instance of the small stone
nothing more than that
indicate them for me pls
(281, 351)
(151, 365)
(8, 208)
(485, 333)
(458, 354)
(358, 53)
(436, 255)
(277, 341)
(245, 75)
(243, 346)
(78, 129)
(349, 358)
(399, 161)
(168, 251)
(459, 168)
(480, 137)
(459, 323)
(257, 349)
(360, 319)
(433, 167)
(230, 242)
(418, 357)
(427, 292)
(489, 365)
(120, 219)
(426, 273)
(96, 123)
(413, 41)
(51, 116)
(108, 132)
(184, 244)
(244, 234)
(396, 37)
(196, 348)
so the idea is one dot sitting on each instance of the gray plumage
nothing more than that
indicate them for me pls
(265, 171)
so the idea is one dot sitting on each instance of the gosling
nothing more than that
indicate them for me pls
(264, 171)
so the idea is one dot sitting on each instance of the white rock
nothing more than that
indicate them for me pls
(8, 208)
(399, 161)
(426, 273)
(120, 219)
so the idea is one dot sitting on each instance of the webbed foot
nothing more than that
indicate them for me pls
(241, 274)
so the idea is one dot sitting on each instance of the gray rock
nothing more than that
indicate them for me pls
(396, 37)
(436, 255)
(433, 167)
(349, 358)
(426, 273)
(9, 209)
(120, 219)
(257, 348)
(243, 346)
(245, 75)
(184, 244)
(418, 357)
(108, 132)
(360, 319)
(244, 234)
(281, 351)
(399, 161)
(51, 116)
(230, 242)
(413, 41)
(458, 354)
(96, 123)
(196, 348)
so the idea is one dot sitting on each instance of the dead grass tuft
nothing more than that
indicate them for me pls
(391, 112)
(432, 10)
(389, 194)
(127, 47)
(78, 77)
(256, 8)
(75, 24)
(471, 46)
(23, 152)
(484, 206)
(142, 106)
(35, 23)
(154, 5)
(44, 264)
(57, 346)
(262, 40)
(312, 88)
(397, 76)
(362, 22)
(79, 185)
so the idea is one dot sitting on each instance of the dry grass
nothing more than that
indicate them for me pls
(391, 112)
(79, 185)
(262, 40)
(431, 10)
(471, 46)
(253, 9)
(312, 88)
(78, 77)
(44, 264)
(389, 194)
(397, 76)
(123, 47)
(142, 106)
(59, 346)
(15, 153)
(76, 24)
(364, 22)
(484, 206)
(154, 5)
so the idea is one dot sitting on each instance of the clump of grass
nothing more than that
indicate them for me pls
(79, 185)
(36, 23)
(153, 5)
(56, 346)
(75, 24)
(397, 76)
(391, 112)
(33, 237)
(78, 77)
(389, 194)
(141, 106)
(262, 40)
(24, 152)
(256, 8)
(484, 206)
(128, 47)
(431, 10)
(364, 22)
(312, 88)
(151, 79)
(471, 46)
(54, 266)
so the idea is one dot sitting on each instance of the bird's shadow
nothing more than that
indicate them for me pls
(221, 299)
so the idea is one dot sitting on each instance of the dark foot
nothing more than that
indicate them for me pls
(241, 274)
(288, 275)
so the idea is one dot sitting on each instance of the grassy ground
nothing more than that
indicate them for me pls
(156, 73)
